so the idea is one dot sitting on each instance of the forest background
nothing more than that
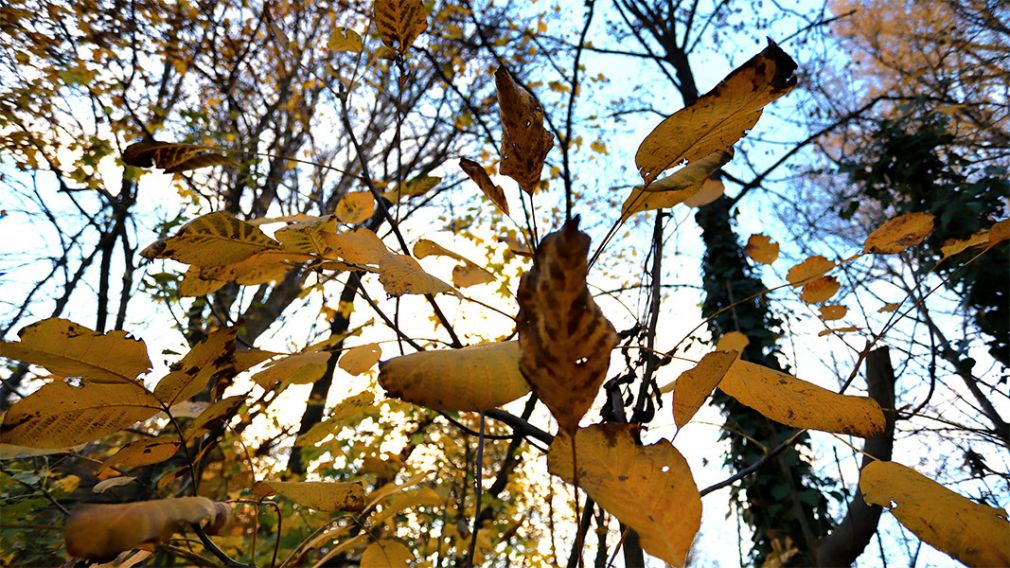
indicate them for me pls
(312, 110)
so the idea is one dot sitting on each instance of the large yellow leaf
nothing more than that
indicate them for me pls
(309, 236)
(348, 410)
(812, 267)
(675, 188)
(360, 246)
(100, 532)
(648, 488)
(140, 453)
(975, 534)
(214, 239)
(897, 234)
(327, 496)
(720, 118)
(355, 207)
(296, 369)
(478, 175)
(525, 142)
(694, 385)
(59, 415)
(399, 22)
(401, 274)
(762, 249)
(386, 553)
(172, 157)
(357, 360)
(798, 403)
(477, 378)
(564, 338)
(69, 349)
(820, 290)
(189, 376)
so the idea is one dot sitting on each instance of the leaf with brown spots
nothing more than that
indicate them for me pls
(401, 274)
(215, 239)
(190, 375)
(478, 175)
(525, 142)
(172, 157)
(355, 207)
(564, 338)
(899, 233)
(399, 22)
(139, 453)
(329, 496)
(648, 488)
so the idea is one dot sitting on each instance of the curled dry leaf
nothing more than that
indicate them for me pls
(189, 376)
(355, 207)
(721, 117)
(975, 534)
(648, 488)
(812, 267)
(172, 157)
(694, 385)
(357, 360)
(386, 553)
(762, 249)
(215, 239)
(678, 187)
(399, 22)
(478, 175)
(100, 532)
(329, 496)
(564, 338)
(72, 350)
(477, 378)
(897, 234)
(525, 142)
(820, 290)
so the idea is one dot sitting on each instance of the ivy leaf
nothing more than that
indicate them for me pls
(477, 378)
(215, 239)
(678, 187)
(648, 488)
(70, 349)
(801, 404)
(357, 360)
(355, 207)
(694, 385)
(762, 249)
(386, 553)
(812, 267)
(326, 496)
(399, 22)
(172, 157)
(972, 533)
(897, 234)
(189, 376)
(525, 141)
(721, 117)
(478, 175)
(564, 338)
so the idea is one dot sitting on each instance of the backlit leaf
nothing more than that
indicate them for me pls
(812, 267)
(648, 488)
(681, 185)
(732, 341)
(477, 378)
(214, 416)
(360, 246)
(59, 415)
(401, 274)
(478, 174)
(399, 22)
(468, 273)
(899, 233)
(801, 404)
(762, 249)
(296, 369)
(423, 496)
(564, 338)
(417, 186)
(386, 553)
(69, 349)
(327, 496)
(355, 207)
(172, 157)
(975, 534)
(348, 410)
(140, 453)
(831, 313)
(955, 246)
(711, 190)
(357, 360)
(214, 239)
(694, 385)
(189, 376)
(847, 329)
(820, 290)
(260, 268)
(720, 118)
(525, 141)
(344, 39)
(308, 237)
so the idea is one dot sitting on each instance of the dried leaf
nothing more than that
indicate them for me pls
(899, 233)
(386, 553)
(820, 290)
(762, 249)
(831, 313)
(999, 232)
(355, 207)
(525, 141)
(345, 39)
(812, 267)
(100, 532)
(357, 360)
(326, 496)
(801, 404)
(112, 483)
(215, 239)
(720, 118)
(648, 488)
(953, 246)
(478, 174)
(711, 190)
(401, 274)
(975, 534)
(467, 273)
(888, 308)
(678, 187)
(847, 329)
(477, 378)
(189, 376)
(172, 157)
(399, 22)
(694, 385)
(564, 338)
(69, 349)
(140, 453)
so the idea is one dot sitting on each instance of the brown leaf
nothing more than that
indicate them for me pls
(820, 290)
(399, 22)
(172, 157)
(812, 267)
(525, 141)
(762, 249)
(564, 338)
(479, 176)
(899, 233)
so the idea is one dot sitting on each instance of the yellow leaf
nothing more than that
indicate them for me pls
(386, 553)
(399, 22)
(329, 496)
(417, 186)
(733, 341)
(401, 274)
(296, 369)
(214, 239)
(424, 496)
(360, 246)
(564, 338)
(69, 349)
(847, 329)
(812, 267)
(679, 186)
(345, 39)
(221, 412)
(694, 385)
(478, 175)
(648, 488)
(953, 246)
(999, 232)
(721, 117)
(477, 378)
(820, 290)
(899, 233)
(59, 415)
(194, 284)
(831, 313)
(762, 249)
(140, 453)
(172, 157)
(975, 534)
(100, 532)
(189, 376)
(355, 207)
(888, 308)
(525, 142)
(350, 409)
(466, 274)
(801, 404)
(359, 359)
(308, 237)
(260, 268)
(711, 190)
(112, 483)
